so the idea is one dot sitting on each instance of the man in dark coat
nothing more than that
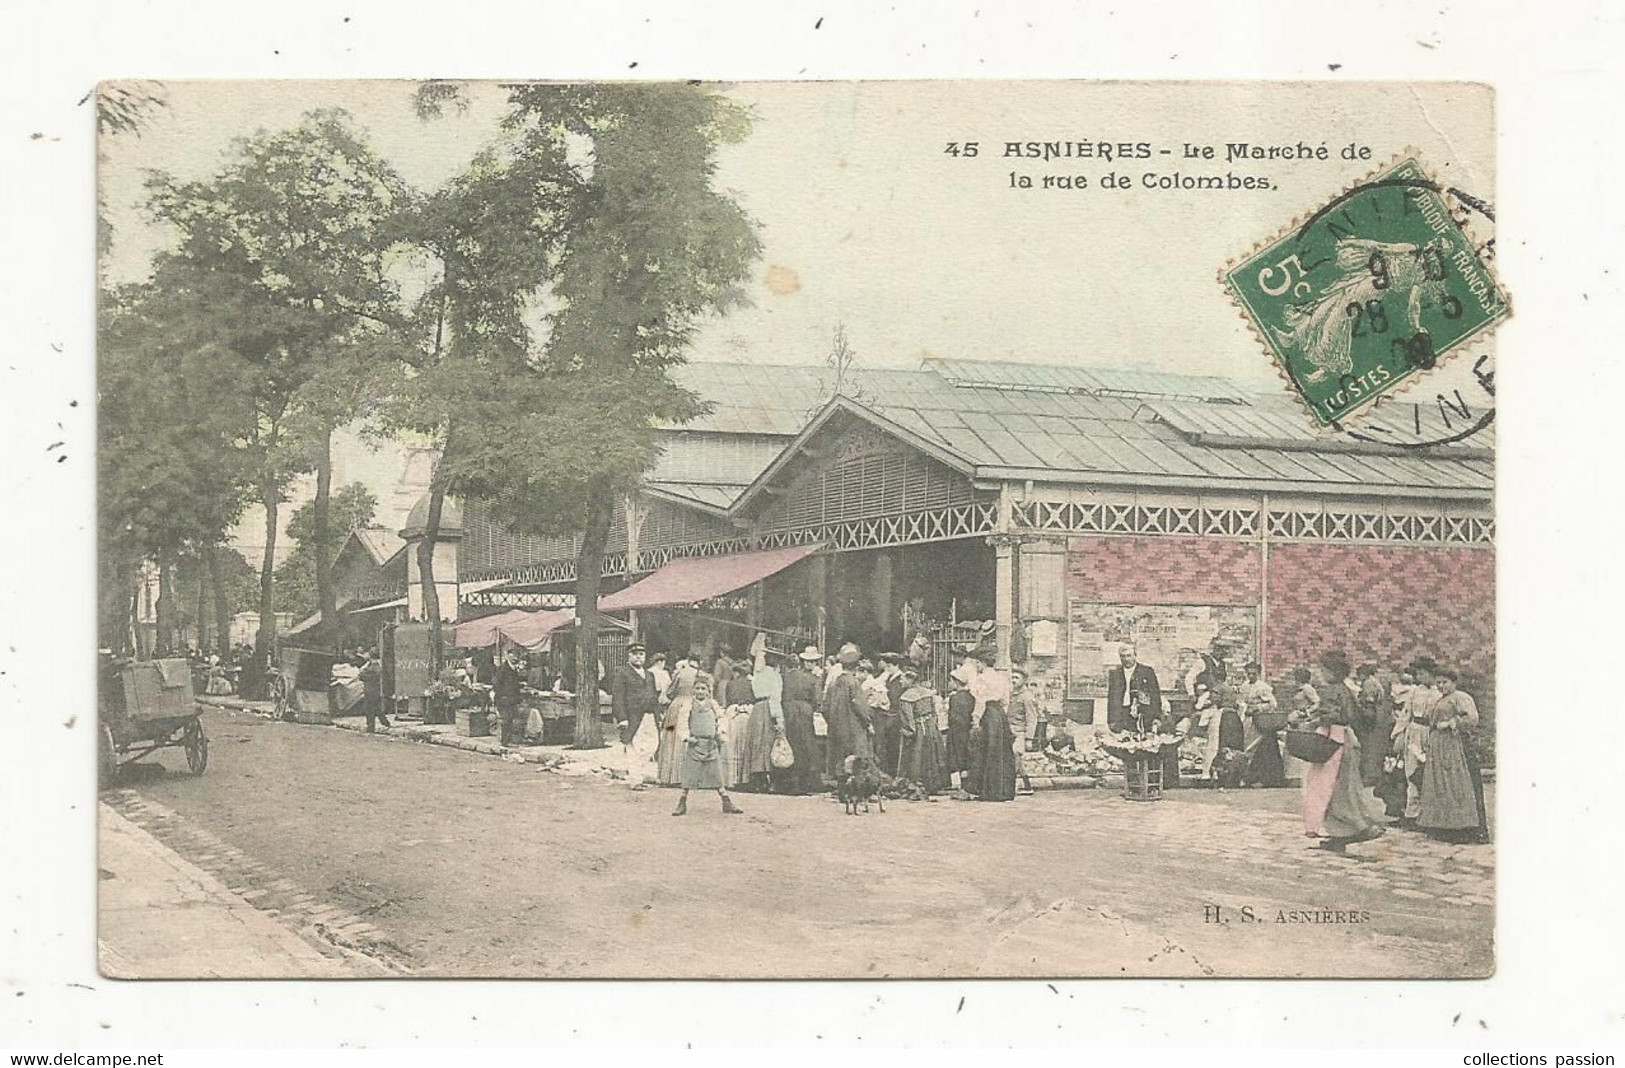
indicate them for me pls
(632, 694)
(372, 691)
(506, 691)
(1133, 694)
(1134, 701)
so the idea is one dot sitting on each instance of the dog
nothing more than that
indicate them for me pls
(859, 781)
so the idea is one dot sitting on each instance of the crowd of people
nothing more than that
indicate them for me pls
(794, 724)
(767, 722)
(1404, 750)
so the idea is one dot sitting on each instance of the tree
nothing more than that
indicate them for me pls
(351, 508)
(641, 248)
(488, 235)
(172, 472)
(287, 241)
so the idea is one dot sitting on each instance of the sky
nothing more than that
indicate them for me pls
(866, 220)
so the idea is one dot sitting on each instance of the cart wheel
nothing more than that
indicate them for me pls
(279, 697)
(197, 748)
(107, 757)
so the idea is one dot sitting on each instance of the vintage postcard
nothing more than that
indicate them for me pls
(798, 529)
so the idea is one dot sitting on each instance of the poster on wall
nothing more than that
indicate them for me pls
(1169, 638)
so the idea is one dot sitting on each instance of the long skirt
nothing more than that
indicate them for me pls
(642, 748)
(702, 764)
(1448, 800)
(805, 775)
(924, 758)
(755, 742)
(1374, 748)
(958, 749)
(847, 737)
(1336, 803)
(669, 758)
(733, 748)
(993, 759)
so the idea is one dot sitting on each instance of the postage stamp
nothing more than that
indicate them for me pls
(1378, 285)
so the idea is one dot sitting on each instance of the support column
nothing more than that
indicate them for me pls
(1004, 541)
(1264, 585)
(1004, 592)
(635, 515)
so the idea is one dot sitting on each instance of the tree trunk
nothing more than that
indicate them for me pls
(222, 610)
(254, 687)
(329, 628)
(201, 617)
(137, 590)
(589, 576)
(439, 486)
(166, 607)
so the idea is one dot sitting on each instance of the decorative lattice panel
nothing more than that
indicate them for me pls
(1336, 525)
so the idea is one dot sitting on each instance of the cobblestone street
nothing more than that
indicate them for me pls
(435, 861)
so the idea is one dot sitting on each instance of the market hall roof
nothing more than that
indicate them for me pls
(1046, 434)
(756, 409)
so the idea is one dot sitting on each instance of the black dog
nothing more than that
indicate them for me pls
(859, 781)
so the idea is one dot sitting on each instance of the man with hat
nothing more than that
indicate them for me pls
(506, 691)
(888, 717)
(632, 693)
(847, 710)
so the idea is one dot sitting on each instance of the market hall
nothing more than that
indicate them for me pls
(1054, 512)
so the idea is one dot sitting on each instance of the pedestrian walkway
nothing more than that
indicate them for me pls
(162, 917)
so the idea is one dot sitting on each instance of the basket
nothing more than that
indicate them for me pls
(1269, 721)
(1311, 746)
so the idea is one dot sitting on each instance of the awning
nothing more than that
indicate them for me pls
(689, 581)
(537, 627)
(479, 633)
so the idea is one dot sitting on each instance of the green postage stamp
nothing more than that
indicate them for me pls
(1380, 284)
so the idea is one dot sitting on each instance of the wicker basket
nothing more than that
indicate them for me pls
(1311, 746)
(1269, 721)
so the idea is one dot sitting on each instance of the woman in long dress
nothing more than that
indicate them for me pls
(993, 756)
(703, 749)
(924, 758)
(674, 730)
(1264, 765)
(961, 711)
(802, 685)
(1337, 805)
(766, 723)
(1449, 802)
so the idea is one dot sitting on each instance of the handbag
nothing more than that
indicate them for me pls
(781, 755)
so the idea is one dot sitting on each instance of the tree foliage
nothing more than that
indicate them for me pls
(289, 241)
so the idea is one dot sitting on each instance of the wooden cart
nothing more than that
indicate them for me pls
(146, 706)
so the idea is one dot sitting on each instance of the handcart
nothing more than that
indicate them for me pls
(146, 706)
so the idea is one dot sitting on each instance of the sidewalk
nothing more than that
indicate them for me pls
(162, 917)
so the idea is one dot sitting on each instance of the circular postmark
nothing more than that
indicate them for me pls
(1460, 411)
(1364, 299)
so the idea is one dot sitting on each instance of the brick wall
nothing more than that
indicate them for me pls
(1161, 570)
(1381, 603)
